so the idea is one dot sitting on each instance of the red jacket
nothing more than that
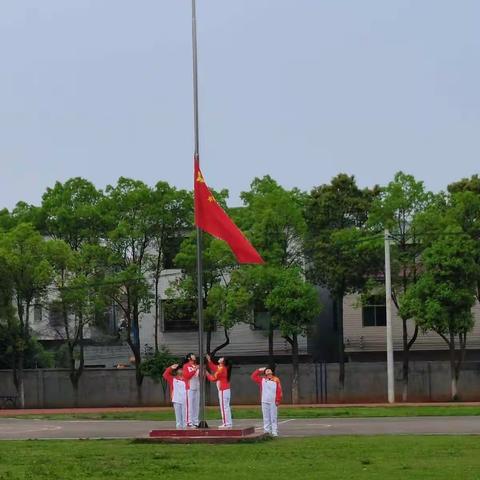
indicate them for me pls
(219, 374)
(188, 373)
(176, 394)
(261, 380)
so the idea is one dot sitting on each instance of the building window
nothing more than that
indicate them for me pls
(262, 318)
(37, 313)
(374, 311)
(179, 315)
(55, 314)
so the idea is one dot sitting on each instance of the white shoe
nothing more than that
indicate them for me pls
(224, 426)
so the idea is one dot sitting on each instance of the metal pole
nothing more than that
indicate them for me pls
(196, 157)
(388, 303)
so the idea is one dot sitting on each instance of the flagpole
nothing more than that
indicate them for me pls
(196, 157)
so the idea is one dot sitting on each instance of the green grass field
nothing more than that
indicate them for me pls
(284, 412)
(342, 458)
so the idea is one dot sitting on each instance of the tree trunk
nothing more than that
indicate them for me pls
(21, 357)
(223, 345)
(158, 302)
(76, 373)
(462, 339)
(341, 345)
(18, 379)
(271, 356)
(74, 382)
(157, 307)
(138, 371)
(73, 377)
(209, 341)
(453, 383)
(21, 388)
(134, 344)
(406, 358)
(295, 364)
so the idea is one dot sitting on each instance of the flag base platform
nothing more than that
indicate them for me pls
(204, 435)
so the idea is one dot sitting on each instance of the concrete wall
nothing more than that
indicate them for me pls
(364, 382)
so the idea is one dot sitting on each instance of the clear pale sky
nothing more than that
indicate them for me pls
(298, 89)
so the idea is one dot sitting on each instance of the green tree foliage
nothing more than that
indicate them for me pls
(171, 211)
(396, 209)
(294, 305)
(442, 298)
(23, 256)
(274, 218)
(218, 265)
(155, 365)
(71, 212)
(73, 217)
(78, 297)
(471, 184)
(341, 256)
(125, 209)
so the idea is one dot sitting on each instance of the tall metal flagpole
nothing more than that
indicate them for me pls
(196, 157)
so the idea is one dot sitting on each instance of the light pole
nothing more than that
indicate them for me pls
(388, 304)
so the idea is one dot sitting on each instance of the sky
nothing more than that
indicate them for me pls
(297, 89)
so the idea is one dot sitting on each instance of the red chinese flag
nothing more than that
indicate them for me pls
(211, 218)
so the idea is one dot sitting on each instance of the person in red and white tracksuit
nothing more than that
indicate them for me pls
(271, 391)
(220, 374)
(178, 393)
(190, 374)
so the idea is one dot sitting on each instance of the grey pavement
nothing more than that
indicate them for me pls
(17, 429)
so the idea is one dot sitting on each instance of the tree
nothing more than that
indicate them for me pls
(442, 298)
(78, 298)
(171, 212)
(24, 258)
(218, 265)
(229, 303)
(10, 339)
(294, 304)
(471, 184)
(259, 281)
(460, 208)
(125, 210)
(396, 208)
(341, 256)
(154, 366)
(463, 209)
(73, 217)
(72, 212)
(274, 219)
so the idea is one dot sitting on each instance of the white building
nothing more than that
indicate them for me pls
(180, 335)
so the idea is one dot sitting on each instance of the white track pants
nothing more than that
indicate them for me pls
(224, 403)
(270, 412)
(180, 414)
(193, 407)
